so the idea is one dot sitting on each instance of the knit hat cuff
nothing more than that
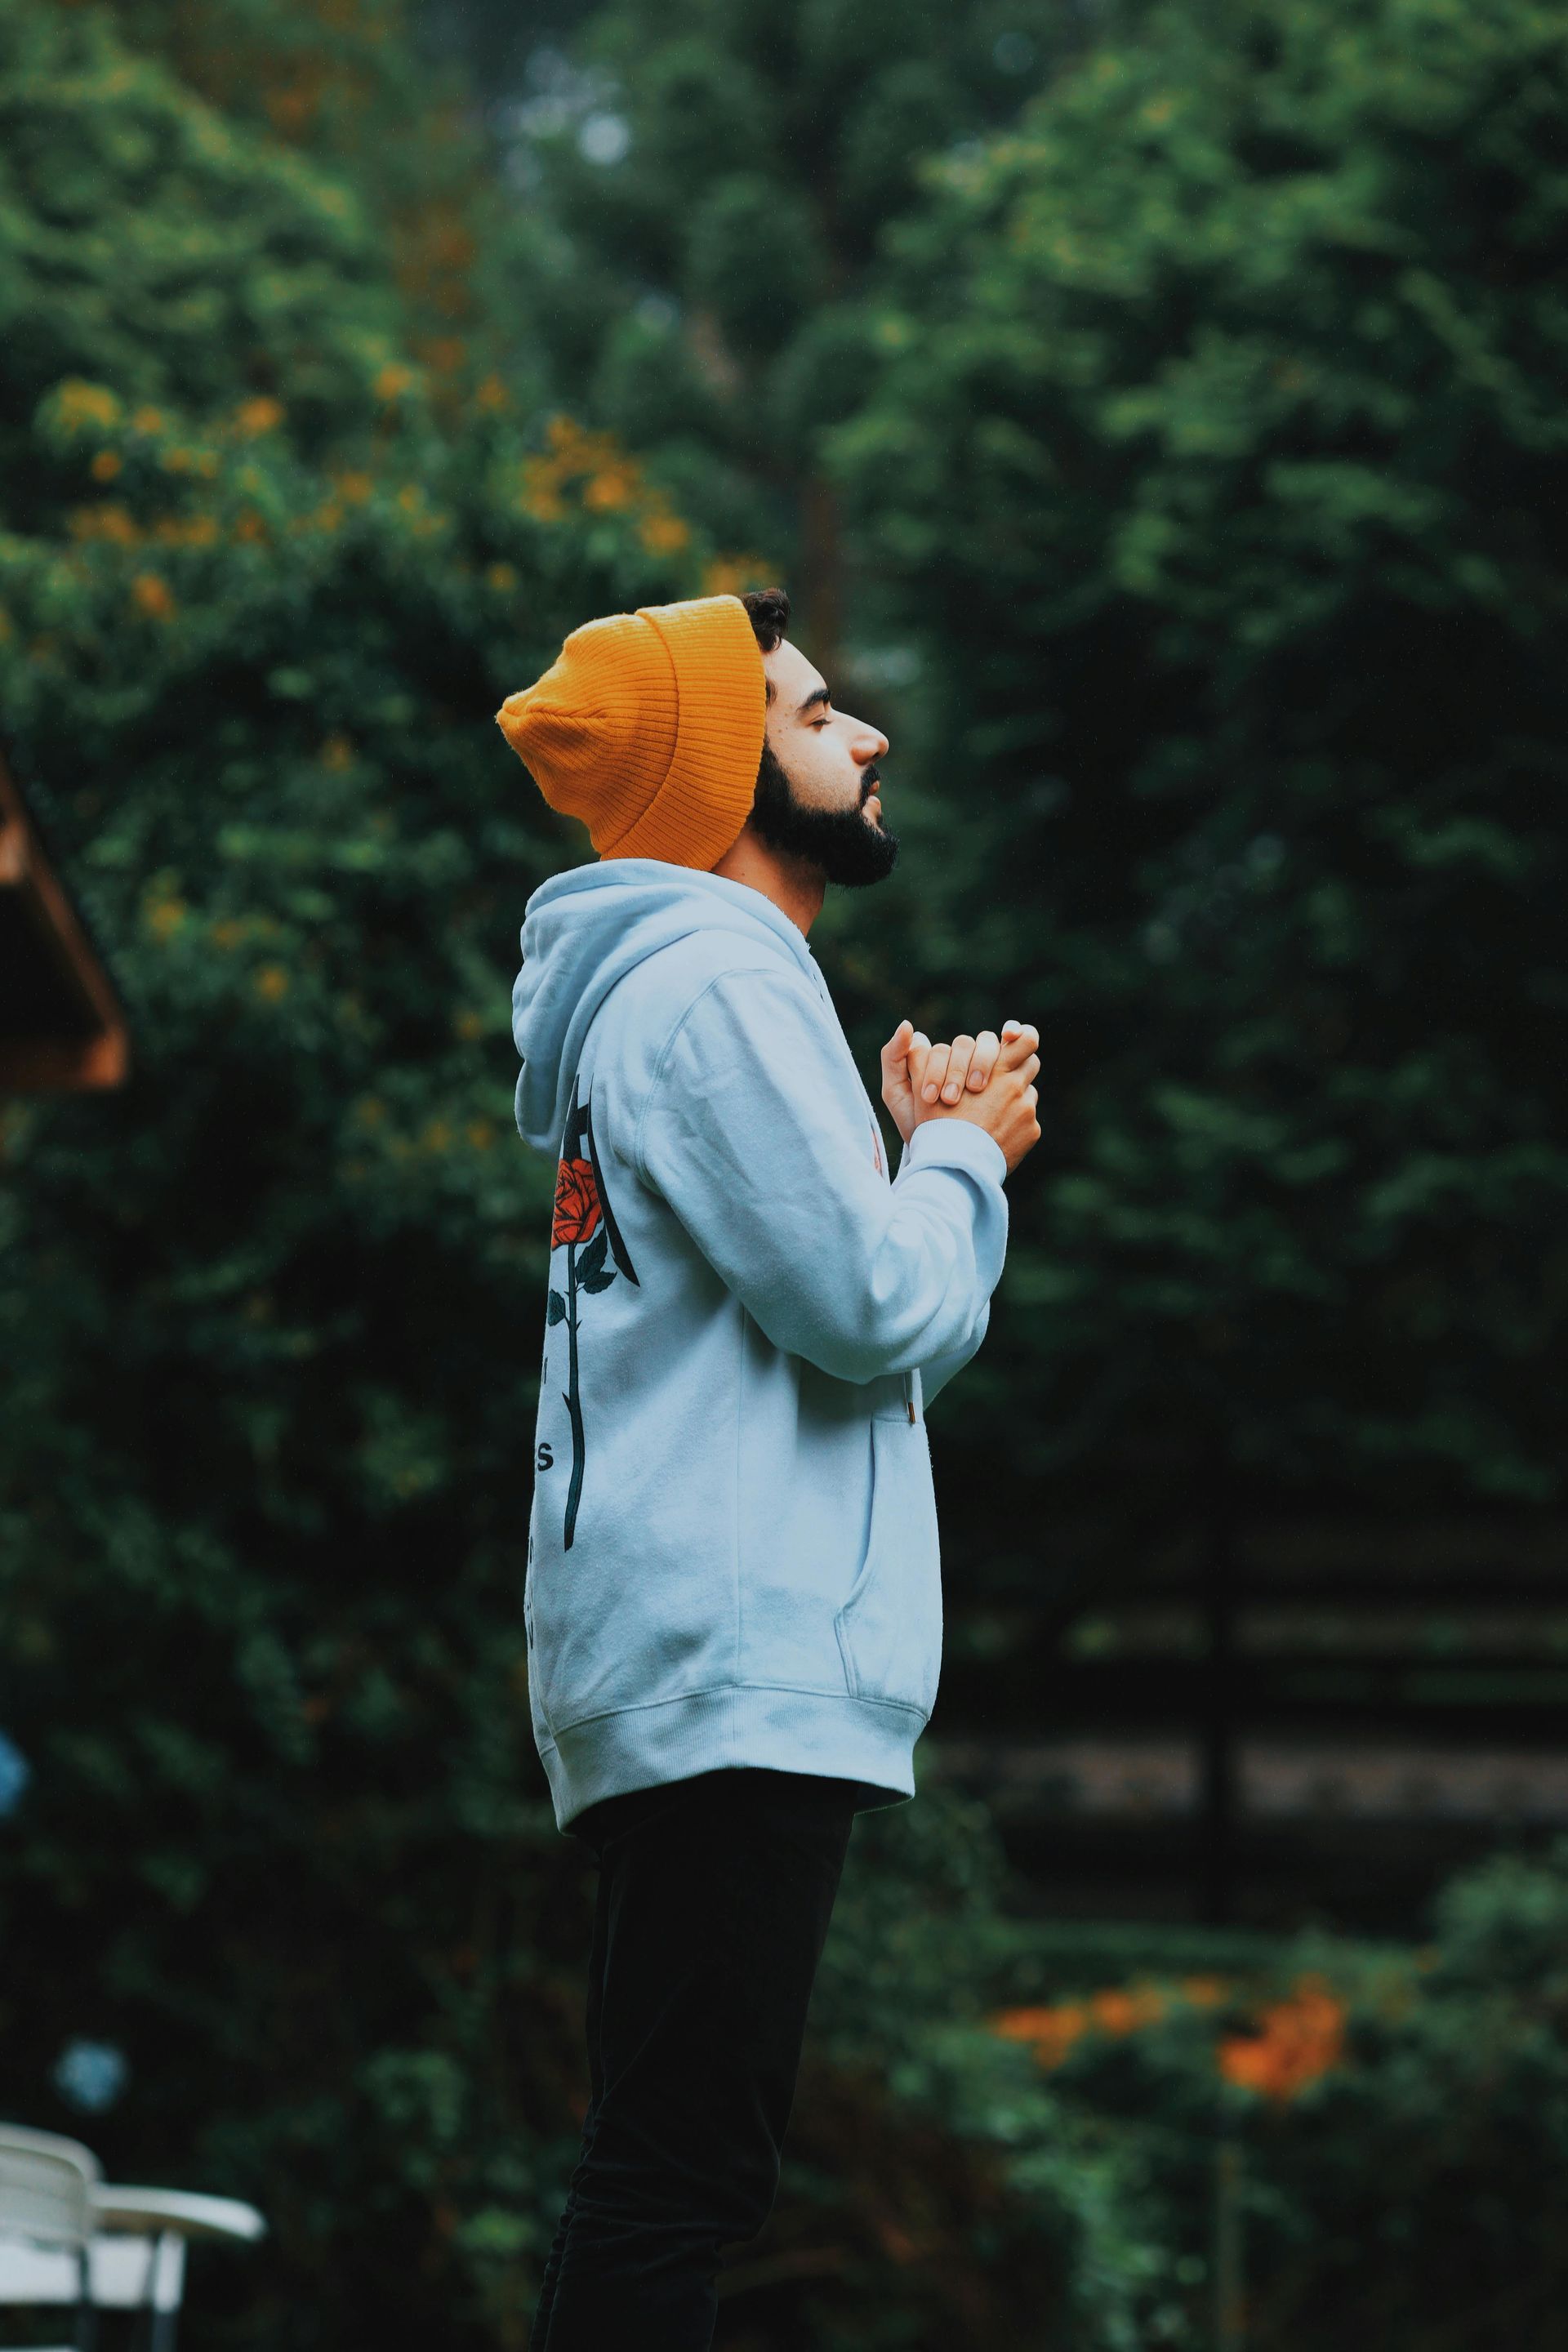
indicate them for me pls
(722, 715)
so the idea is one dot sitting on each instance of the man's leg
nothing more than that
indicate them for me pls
(714, 1901)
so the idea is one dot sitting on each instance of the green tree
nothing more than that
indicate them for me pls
(1215, 480)
(719, 179)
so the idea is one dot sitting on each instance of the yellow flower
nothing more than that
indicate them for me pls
(87, 404)
(492, 393)
(106, 465)
(731, 575)
(337, 753)
(408, 497)
(438, 1136)
(186, 531)
(355, 488)
(152, 596)
(480, 1134)
(262, 415)
(165, 919)
(109, 521)
(663, 533)
(503, 577)
(613, 487)
(468, 1024)
(227, 934)
(273, 982)
(148, 420)
(370, 1110)
(251, 528)
(393, 380)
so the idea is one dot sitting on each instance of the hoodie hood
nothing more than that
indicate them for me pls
(584, 930)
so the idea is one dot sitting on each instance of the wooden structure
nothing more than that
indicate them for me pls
(61, 1024)
(1272, 1717)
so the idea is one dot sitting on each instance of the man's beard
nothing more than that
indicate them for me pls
(844, 844)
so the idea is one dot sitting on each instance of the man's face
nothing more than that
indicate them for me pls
(817, 796)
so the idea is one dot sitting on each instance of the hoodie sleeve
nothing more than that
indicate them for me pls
(767, 1168)
(937, 1371)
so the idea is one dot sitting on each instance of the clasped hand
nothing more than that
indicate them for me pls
(986, 1079)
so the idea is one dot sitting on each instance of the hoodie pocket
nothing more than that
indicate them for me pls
(889, 1627)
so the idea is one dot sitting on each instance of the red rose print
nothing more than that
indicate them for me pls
(577, 1210)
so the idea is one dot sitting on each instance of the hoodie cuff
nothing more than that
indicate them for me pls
(956, 1143)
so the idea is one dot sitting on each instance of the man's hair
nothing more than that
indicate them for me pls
(768, 609)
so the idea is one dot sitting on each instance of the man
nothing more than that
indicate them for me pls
(733, 1601)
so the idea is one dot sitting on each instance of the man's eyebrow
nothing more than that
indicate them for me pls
(820, 699)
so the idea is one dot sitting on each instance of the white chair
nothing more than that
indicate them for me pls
(48, 2219)
(135, 2245)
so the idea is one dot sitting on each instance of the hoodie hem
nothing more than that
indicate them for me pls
(766, 1725)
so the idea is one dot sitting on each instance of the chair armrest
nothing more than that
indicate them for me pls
(178, 2209)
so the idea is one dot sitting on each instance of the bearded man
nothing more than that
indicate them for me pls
(734, 1598)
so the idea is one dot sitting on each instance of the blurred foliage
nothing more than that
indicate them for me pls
(720, 178)
(1214, 486)
(1400, 2116)
(1196, 451)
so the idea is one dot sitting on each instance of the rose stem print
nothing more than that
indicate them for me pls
(583, 1220)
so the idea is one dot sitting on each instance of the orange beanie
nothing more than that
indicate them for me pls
(649, 727)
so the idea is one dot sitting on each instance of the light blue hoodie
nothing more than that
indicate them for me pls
(732, 1549)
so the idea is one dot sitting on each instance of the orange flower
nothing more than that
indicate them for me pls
(1116, 2012)
(1051, 2032)
(1301, 2038)
(105, 465)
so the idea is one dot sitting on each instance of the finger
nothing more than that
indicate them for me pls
(897, 1044)
(920, 1049)
(958, 1062)
(1019, 1044)
(988, 1045)
(936, 1073)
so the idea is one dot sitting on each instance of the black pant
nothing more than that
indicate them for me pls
(714, 1898)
